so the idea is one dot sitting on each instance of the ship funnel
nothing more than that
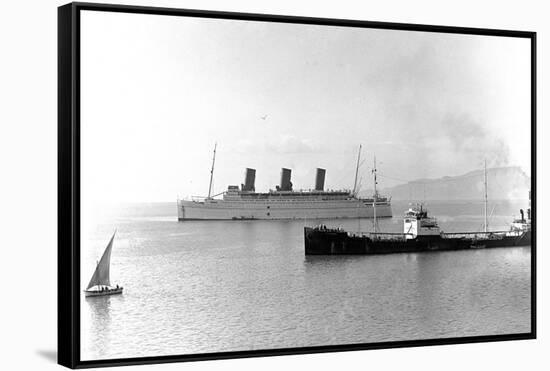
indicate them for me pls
(249, 178)
(320, 179)
(286, 184)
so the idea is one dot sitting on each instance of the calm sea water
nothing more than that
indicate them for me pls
(200, 287)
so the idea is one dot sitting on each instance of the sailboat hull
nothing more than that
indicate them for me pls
(105, 292)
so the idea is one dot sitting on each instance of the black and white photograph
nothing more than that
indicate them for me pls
(243, 185)
(259, 185)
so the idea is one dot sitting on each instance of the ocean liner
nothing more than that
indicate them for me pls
(244, 203)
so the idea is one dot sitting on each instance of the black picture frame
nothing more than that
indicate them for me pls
(69, 182)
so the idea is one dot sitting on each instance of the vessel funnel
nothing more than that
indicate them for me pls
(249, 178)
(320, 179)
(286, 184)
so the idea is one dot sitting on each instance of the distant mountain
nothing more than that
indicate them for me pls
(503, 183)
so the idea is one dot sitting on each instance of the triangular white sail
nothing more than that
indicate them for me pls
(101, 274)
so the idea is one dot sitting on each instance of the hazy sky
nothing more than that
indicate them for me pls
(159, 91)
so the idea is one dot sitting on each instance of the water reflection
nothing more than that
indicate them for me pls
(101, 316)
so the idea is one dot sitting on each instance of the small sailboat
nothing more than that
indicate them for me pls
(100, 283)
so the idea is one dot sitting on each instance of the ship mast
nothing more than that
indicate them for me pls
(212, 171)
(485, 185)
(356, 172)
(374, 197)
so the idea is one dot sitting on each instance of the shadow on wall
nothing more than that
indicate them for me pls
(50, 355)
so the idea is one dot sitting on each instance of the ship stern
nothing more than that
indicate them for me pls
(181, 210)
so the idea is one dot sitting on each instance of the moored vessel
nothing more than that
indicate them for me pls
(420, 233)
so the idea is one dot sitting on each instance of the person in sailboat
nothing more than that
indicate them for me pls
(100, 283)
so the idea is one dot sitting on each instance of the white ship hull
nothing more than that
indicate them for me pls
(280, 210)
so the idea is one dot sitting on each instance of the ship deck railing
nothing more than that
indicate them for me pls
(467, 235)
(482, 235)
(312, 198)
(382, 235)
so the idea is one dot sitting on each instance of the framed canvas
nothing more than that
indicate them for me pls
(388, 197)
